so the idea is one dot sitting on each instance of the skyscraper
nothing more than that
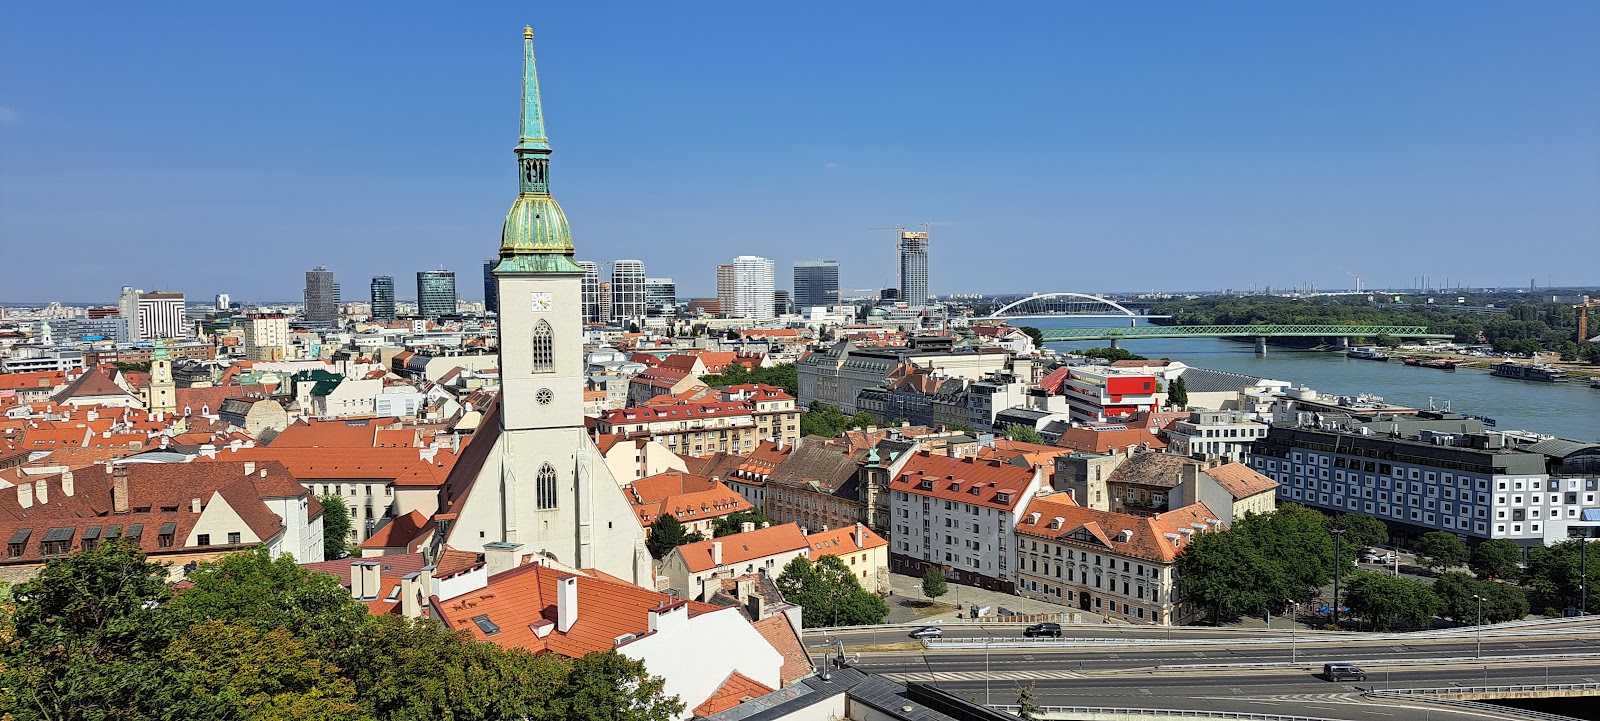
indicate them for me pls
(914, 268)
(542, 486)
(383, 298)
(745, 288)
(781, 305)
(590, 290)
(660, 297)
(436, 293)
(816, 283)
(322, 296)
(627, 289)
(147, 316)
(491, 294)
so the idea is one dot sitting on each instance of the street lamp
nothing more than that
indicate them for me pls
(1294, 622)
(1480, 625)
(1583, 577)
(1338, 560)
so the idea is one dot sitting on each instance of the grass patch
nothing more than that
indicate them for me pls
(884, 647)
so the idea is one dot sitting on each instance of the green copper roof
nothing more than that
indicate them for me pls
(535, 225)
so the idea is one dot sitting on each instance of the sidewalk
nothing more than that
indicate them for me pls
(908, 605)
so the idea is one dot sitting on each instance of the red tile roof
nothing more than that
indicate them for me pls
(519, 599)
(737, 689)
(1240, 481)
(1107, 439)
(742, 547)
(982, 483)
(778, 632)
(1148, 536)
(843, 540)
(398, 533)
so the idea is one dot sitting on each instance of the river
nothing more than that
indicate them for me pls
(1569, 410)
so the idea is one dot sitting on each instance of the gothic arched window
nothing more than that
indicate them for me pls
(544, 491)
(544, 348)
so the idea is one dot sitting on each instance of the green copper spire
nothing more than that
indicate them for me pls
(535, 238)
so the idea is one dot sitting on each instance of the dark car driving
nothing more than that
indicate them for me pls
(1052, 630)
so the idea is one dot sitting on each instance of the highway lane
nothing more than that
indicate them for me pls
(1097, 658)
(1286, 691)
(882, 636)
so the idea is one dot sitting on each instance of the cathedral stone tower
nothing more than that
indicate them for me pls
(544, 486)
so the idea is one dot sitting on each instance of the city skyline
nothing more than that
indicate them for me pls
(1093, 130)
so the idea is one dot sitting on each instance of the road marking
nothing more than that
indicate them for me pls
(1200, 654)
(1146, 692)
(1236, 689)
(1028, 657)
(1265, 703)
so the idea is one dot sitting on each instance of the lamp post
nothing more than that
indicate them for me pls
(1338, 560)
(1294, 622)
(1480, 626)
(1583, 577)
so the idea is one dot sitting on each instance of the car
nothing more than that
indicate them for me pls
(1378, 558)
(1343, 672)
(1052, 630)
(928, 632)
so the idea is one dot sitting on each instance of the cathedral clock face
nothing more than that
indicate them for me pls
(542, 303)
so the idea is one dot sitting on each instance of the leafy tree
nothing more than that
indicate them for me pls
(734, 522)
(1110, 354)
(1022, 434)
(829, 593)
(1441, 550)
(99, 635)
(633, 327)
(1361, 529)
(1496, 558)
(1458, 594)
(666, 534)
(784, 376)
(1386, 600)
(933, 583)
(336, 527)
(961, 428)
(1027, 705)
(1554, 574)
(1259, 562)
(828, 421)
(733, 334)
(1178, 393)
(1385, 340)
(1034, 333)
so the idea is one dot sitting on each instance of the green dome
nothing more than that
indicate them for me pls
(535, 225)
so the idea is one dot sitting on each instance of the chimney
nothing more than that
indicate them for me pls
(43, 491)
(364, 580)
(861, 538)
(410, 598)
(195, 506)
(67, 485)
(249, 467)
(747, 527)
(25, 495)
(263, 471)
(501, 556)
(119, 488)
(756, 607)
(566, 603)
(716, 553)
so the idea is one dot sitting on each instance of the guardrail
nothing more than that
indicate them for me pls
(1179, 713)
(1515, 688)
(1487, 708)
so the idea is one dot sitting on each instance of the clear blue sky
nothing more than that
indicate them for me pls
(1082, 147)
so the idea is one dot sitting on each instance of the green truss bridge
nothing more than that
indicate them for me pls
(1258, 332)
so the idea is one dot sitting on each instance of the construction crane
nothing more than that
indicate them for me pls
(1583, 317)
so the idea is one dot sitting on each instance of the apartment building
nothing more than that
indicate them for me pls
(1219, 434)
(959, 515)
(701, 429)
(1116, 564)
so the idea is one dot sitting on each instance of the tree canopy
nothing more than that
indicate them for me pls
(666, 534)
(1110, 354)
(828, 421)
(1441, 550)
(336, 527)
(829, 594)
(933, 583)
(1022, 434)
(1178, 393)
(1387, 600)
(1554, 575)
(100, 635)
(734, 522)
(1260, 563)
(1496, 558)
(1458, 594)
(783, 376)
(1361, 529)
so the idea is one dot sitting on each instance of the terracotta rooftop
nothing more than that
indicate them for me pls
(742, 547)
(1108, 438)
(1147, 538)
(982, 483)
(1240, 481)
(737, 689)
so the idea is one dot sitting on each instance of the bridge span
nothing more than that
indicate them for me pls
(1258, 332)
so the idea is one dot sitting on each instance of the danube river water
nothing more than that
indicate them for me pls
(1569, 410)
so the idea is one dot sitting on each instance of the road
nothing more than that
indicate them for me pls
(1209, 668)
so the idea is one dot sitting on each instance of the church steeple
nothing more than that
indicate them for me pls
(535, 238)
